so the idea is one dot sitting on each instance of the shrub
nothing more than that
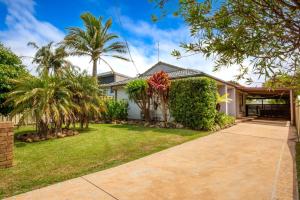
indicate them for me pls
(115, 110)
(138, 91)
(160, 86)
(193, 102)
(224, 120)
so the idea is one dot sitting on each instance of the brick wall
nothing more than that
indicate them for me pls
(6, 144)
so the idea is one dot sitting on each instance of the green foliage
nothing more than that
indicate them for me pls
(50, 60)
(94, 41)
(56, 100)
(138, 91)
(159, 87)
(193, 102)
(115, 110)
(10, 67)
(224, 120)
(85, 94)
(234, 31)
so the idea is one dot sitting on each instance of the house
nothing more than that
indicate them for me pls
(110, 77)
(245, 101)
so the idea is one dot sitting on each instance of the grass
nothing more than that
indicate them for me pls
(100, 147)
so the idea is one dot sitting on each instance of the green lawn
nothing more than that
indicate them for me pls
(100, 147)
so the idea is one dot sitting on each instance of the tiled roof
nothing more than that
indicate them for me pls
(172, 75)
(103, 74)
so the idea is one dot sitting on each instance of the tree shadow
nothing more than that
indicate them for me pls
(85, 130)
(19, 144)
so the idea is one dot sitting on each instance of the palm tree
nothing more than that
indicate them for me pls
(86, 95)
(46, 99)
(50, 60)
(222, 99)
(95, 41)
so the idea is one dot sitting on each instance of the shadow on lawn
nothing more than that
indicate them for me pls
(85, 130)
(142, 129)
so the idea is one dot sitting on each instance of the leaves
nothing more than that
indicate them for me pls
(94, 41)
(50, 60)
(193, 102)
(266, 33)
(159, 82)
(159, 86)
(138, 91)
(10, 67)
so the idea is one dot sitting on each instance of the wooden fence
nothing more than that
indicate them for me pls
(16, 119)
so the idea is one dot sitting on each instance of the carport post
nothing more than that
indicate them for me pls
(292, 107)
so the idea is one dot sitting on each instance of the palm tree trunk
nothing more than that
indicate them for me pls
(87, 122)
(81, 123)
(95, 68)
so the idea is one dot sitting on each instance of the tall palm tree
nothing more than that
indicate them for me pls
(50, 60)
(94, 41)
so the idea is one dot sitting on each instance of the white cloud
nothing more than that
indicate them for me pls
(145, 55)
(23, 26)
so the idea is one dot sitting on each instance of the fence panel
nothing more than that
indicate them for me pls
(16, 119)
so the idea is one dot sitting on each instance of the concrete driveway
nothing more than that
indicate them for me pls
(251, 160)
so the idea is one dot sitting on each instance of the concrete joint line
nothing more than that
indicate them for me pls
(274, 187)
(252, 136)
(99, 188)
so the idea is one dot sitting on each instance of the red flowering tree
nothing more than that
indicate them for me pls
(160, 86)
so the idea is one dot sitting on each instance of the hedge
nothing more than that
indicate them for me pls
(193, 102)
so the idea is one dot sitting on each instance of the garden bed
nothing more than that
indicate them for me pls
(172, 125)
(35, 137)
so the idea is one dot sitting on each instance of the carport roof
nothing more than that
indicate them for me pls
(264, 90)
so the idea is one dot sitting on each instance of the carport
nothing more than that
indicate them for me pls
(269, 103)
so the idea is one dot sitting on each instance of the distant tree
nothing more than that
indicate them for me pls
(284, 81)
(138, 91)
(94, 41)
(50, 60)
(265, 32)
(10, 67)
(160, 86)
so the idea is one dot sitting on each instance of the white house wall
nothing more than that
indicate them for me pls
(230, 107)
(222, 89)
(232, 103)
(133, 109)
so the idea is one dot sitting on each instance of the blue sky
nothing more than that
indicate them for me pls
(43, 21)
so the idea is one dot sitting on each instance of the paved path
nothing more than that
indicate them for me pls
(248, 161)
